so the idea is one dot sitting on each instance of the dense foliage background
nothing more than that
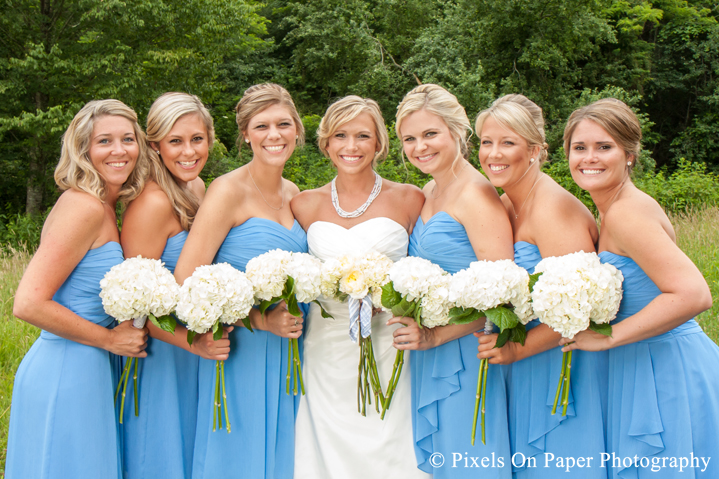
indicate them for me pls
(661, 57)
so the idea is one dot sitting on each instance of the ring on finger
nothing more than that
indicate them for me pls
(296, 322)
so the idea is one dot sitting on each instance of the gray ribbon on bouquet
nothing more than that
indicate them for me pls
(360, 317)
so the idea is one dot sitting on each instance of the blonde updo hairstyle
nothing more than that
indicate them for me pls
(260, 97)
(616, 118)
(163, 115)
(521, 115)
(438, 101)
(347, 109)
(75, 169)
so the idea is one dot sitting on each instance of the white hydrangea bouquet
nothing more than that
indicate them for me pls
(573, 293)
(293, 277)
(417, 289)
(359, 280)
(214, 295)
(137, 289)
(498, 291)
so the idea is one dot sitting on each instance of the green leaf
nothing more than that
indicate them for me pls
(292, 305)
(404, 308)
(605, 329)
(217, 334)
(289, 289)
(519, 334)
(533, 280)
(165, 323)
(459, 315)
(502, 338)
(503, 317)
(190, 336)
(154, 320)
(324, 313)
(215, 327)
(264, 305)
(248, 324)
(390, 297)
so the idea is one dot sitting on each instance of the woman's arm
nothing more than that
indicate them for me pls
(561, 226)
(637, 227)
(74, 226)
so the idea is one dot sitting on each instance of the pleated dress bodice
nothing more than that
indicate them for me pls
(663, 391)
(261, 444)
(63, 421)
(444, 379)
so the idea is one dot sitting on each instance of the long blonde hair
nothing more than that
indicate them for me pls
(347, 109)
(75, 169)
(165, 111)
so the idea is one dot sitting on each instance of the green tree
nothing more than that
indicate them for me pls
(56, 55)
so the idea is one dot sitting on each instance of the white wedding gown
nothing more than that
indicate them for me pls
(332, 440)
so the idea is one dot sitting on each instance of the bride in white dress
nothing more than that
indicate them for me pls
(332, 440)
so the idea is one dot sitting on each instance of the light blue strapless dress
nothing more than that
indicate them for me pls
(663, 391)
(261, 444)
(160, 441)
(534, 431)
(63, 422)
(444, 379)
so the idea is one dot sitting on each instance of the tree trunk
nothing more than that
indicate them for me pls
(36, 167)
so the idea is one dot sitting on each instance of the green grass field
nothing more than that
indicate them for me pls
(697, 234)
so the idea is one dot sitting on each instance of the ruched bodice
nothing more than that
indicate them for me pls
(382, 235)
(80, 292)
(531, 390)
(63, 422)
(333, 440)
(262, 415)
(160, 441)
(444, 379)
(443, 241)
(257, 236)
(663, 391)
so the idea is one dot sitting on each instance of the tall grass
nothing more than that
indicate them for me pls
(697, 235)
(17, 337)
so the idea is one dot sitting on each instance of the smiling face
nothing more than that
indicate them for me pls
(596, 161)
(427, 142)
(503, 153)
(113, 149)
(185, 149)
(353, 145)
(272, 134)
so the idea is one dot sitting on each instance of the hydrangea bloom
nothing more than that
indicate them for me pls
(418, 279)
(488, 284)
(216, 292)
(138, 287)
(575, 289)
(268, 273)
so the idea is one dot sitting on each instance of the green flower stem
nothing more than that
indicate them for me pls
(484, 395)
(393, 380)
(124, 379)
(560, 384)
(215, 404)
(298, 364)
(565, 402)
(477, 399)
(224, 396)
(134, 383)
(289, 367)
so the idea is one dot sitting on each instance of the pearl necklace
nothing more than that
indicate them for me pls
(358, 212)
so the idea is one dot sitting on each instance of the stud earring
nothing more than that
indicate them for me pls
(157, 151)
(247, 140)
(531, 160)
(629, 163)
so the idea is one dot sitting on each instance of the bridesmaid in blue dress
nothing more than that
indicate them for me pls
(462, 220)
(663, 379)
(63, 422)
(244, 214)
(159, 442)
(547, 221)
